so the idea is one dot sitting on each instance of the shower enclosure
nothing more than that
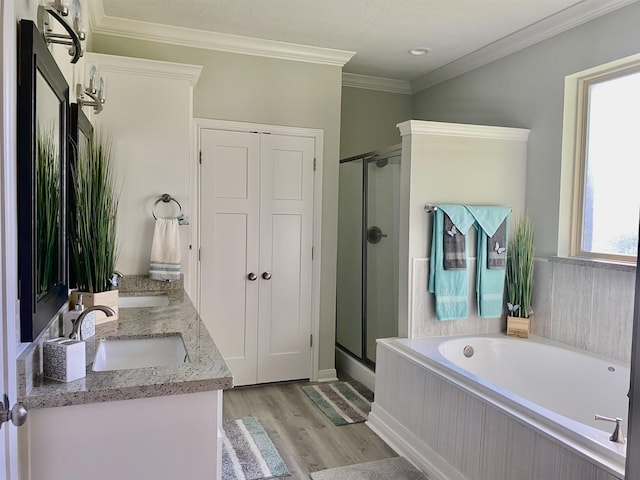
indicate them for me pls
(367, 276)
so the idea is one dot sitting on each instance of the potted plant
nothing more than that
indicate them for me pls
(519, 276)
(92, 227)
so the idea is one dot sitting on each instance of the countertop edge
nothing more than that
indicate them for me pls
(65, 399)
(210, 372)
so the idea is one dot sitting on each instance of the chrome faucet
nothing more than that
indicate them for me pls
(76, 329)
(617, 435)
(115, 278)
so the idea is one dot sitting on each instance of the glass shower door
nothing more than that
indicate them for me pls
(382, 213)
(349, 312)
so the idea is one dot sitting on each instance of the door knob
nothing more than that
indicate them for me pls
(266, 276)
(17, 414)
(252, 276)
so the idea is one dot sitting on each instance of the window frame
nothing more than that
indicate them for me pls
(584, 81)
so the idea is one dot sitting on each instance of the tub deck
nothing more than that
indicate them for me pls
(457, 425)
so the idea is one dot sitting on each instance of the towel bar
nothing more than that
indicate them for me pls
(166, 198)
(430, 208)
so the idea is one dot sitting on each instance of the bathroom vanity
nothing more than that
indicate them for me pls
(161, 422)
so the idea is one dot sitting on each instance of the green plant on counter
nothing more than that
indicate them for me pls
(48, 208)
(93, 217)
(520, 258)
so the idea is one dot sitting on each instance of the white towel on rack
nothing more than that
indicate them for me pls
(165, 250)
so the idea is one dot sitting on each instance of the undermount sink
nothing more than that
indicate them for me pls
(143, 301)
(126, 353)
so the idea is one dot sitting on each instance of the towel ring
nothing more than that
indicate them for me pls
(166, 198)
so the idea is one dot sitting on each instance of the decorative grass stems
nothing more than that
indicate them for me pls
(93, 220)
(48, 208)
(520, 261)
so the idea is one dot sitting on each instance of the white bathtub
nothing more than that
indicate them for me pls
(554, 391)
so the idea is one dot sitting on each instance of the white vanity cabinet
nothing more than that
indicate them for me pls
(160, 438)
(160, 423)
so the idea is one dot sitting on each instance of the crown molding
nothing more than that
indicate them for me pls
(376, 83)
(186, 37)
(571, 17)
(143, 66)
(411, 127)
(567, 19)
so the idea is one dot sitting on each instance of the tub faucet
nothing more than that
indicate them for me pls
(76, 332)
(617, 435)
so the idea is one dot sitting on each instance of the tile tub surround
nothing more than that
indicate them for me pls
(582, 303)
(585, 304)
(205, 371)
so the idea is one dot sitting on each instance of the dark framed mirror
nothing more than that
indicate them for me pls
(80, 132)
(43, 122)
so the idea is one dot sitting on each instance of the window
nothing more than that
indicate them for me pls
(607, 182)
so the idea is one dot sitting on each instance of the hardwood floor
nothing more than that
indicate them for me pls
(307, 440)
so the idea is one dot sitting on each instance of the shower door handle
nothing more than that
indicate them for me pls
(252, 277)
(374, 234)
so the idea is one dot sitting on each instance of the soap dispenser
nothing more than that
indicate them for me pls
(88, 325)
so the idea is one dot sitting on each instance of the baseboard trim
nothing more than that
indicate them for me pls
(327, 375)
(356, 370)
(410, 446)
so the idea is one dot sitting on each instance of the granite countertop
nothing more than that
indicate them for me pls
(205, 371)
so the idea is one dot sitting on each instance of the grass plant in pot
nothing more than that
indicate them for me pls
(519, 275)
(92, 227)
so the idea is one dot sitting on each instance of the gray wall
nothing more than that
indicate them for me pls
(369, 120)
(526, 90)
(263, 90)
(583, 304)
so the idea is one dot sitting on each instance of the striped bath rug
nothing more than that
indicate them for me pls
(396, 468)
(340, 401)
(248, 453)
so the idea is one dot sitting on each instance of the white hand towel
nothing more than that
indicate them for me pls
(165, 250)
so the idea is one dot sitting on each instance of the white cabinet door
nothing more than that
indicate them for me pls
(257, 219)
(286, 228)
(229, 239)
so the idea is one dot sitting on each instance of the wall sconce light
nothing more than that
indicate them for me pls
(61, 10)
(96, 91)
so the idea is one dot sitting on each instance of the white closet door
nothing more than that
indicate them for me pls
(286, 230)
(229, 239)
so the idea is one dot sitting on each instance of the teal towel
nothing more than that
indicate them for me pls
(489, 282)
(489, 217)
(451, 287)
(460, 215)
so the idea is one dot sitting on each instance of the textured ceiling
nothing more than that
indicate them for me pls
(379, 31)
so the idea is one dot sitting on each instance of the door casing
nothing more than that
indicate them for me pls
(9, 464)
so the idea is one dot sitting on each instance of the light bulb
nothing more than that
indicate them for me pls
(102, 94)
(80, 26)
(93, 79)
(79, 20)
(66, 6)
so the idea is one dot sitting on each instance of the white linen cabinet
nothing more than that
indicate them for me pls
(256, 241)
